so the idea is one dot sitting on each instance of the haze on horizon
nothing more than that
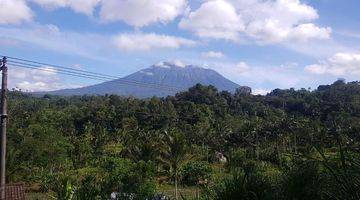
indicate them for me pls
(262, 44)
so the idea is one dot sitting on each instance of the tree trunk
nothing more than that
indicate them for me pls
(278, 151)
(176, 185)
(295, 144)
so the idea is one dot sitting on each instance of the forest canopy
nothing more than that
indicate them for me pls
(289, 144)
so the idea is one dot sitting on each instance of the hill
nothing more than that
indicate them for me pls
(175, 77)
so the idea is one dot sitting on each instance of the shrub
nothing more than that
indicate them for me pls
(194, 172)
(244, 186)
(89, 188)
(303, 181)
(237, 159)
(253, 180)
(62, 185)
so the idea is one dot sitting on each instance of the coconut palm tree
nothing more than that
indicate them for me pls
(175, 153)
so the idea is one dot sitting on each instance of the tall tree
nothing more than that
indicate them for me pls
(175, 153)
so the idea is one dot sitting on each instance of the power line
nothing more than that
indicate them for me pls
(56, 70)
(85, 74)
(56, 66)
(121, 82)
(41, 64)
(49, 70)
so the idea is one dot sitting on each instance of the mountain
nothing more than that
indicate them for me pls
(176, 78)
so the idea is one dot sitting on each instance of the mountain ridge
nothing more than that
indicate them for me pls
(162, 79)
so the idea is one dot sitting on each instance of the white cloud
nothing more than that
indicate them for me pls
(178, 63)
(147, 73)
(266, 21)
(277, 20)
(51, 4)
(50, 37)
(262, 76)
(214, 19)
(139, 13)
(260, 91)
(242, 67)
(162, 64)
(145, 42)
(318, 49)
(87, 45)
(212, 54)
(305, 32)
(14, 12)
(87, 7)
(171, 63)
(316, 69)
(81, 6)
(339, 64)
(30, 80)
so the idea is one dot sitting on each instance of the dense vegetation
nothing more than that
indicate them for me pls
(290, 144)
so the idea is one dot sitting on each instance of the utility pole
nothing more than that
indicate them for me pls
(3, 128)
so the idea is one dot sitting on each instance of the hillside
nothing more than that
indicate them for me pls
(176, 77)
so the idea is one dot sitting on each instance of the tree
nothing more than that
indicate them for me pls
(175, 153)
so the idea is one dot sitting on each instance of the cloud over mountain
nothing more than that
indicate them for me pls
(150, 41)
(212, 54)
(162, 79)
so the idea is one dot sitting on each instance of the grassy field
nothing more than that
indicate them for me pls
(187, 192)
(168, 190)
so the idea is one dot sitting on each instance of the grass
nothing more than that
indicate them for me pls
(192, 192)
(38, 196)
(187, 192)
(168, 190)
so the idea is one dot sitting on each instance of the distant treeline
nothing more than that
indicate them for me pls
(289, 144)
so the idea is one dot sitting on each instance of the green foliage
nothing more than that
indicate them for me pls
(63, 186)
(343, 180)
(194, 172)
(303, 181)
(245, 186)
(89, 188)
(87, 147)
(237, 159)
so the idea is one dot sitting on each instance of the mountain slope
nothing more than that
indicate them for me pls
(169, 74)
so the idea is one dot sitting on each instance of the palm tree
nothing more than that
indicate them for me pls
(144, 146)
(175, 153)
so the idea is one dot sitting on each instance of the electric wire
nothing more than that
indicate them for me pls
(29, 64)
(41, 64)
(55, 66)
(121, 82)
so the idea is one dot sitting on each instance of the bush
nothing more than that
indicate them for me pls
(237, 159)
(62, 185)
(140, 180)
(89, 188)
(244, 186)
(253, 180)
(303, 181)
(125, 178)
(194, 172)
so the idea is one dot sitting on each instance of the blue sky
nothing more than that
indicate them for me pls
(265, 44)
